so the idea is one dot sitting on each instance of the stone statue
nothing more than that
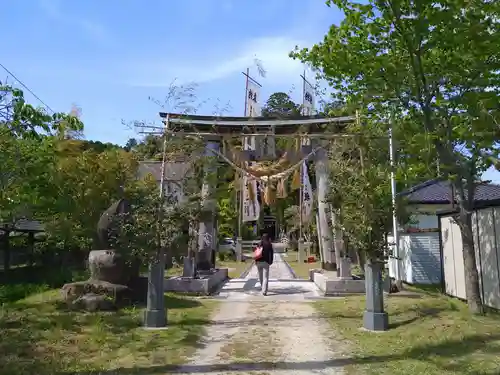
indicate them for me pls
(114, 276)
(109, 222)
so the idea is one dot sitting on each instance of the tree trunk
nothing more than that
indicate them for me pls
(6, 251)
(361, 260)
(472, 290)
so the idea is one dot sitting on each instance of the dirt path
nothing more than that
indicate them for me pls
(280, 333)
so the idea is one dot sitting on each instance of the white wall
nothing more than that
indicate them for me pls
(486, 230)
(424, 216)
(453, 263)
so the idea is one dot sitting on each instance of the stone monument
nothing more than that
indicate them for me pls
(374, 317)
(114, 277)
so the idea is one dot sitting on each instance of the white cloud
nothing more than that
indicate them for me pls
(492, 174)
(307, 26)
(271, 51)
(94, 30)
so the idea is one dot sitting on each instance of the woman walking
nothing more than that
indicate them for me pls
(264, 261)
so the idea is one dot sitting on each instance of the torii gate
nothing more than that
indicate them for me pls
(212, 129)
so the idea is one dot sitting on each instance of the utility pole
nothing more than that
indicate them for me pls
(155, 315)
(395, 231)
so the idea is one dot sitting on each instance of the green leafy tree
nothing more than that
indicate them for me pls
(155, 222)
(23, 120)
(280, 105)
(227, 216)
(75, 189)
(161, 223)
(433, 69)
(361, 191)
(131, 143)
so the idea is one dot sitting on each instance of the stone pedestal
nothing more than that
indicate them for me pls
(155, 319)
(111, 266)
(307, 248)
(374, 317)
(114, 283)
(204, 285)
(345, 269)
(239, 249)
(189, 267)
(328, 266)
(300, 252)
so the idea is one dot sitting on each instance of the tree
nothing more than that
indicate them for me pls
(155, 222)
(66, 130)
(361, 191)
(434, 70)
(227, 215)
(336, 107)
(131, 143)
(24, 120)
(280, 105)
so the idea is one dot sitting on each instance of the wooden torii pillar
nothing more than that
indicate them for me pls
(207, 230)
(325, 234)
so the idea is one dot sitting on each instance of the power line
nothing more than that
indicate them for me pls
(26, 87)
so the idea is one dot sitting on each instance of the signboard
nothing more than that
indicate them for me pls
(253, 108)
(307, 194)
(308, 101)
(251, 206)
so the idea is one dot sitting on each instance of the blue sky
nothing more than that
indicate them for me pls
(109, 57)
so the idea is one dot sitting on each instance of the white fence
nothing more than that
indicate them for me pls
(486, 231)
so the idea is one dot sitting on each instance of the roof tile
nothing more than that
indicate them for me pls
(439, 192)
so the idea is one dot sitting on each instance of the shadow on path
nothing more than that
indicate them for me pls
(452, 349)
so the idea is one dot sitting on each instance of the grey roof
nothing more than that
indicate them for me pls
(25, 226)
(174, 171)
(439, 192)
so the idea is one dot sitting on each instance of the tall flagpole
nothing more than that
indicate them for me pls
(301, 165)
(248, 79)
(242, 187)
(395, 231)
(239, 239)
(307, 109)
(301, 239)
(246, 91)
(301, 172)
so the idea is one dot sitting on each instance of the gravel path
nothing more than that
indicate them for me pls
(280, 333)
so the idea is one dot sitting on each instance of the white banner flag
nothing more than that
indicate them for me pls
(307, 194)
(263, 145)
(251, 208)
(308, 99)
(253, 99)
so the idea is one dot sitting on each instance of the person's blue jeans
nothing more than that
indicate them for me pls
(263, 269)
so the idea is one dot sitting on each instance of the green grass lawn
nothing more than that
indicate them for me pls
(40, 336)
(429, 335)
(235, 269)
(301, 269)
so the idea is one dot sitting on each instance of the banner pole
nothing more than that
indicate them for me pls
(241, 192)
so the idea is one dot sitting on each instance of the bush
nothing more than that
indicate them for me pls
(15, 292)
(221, 256)
(21, 282)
